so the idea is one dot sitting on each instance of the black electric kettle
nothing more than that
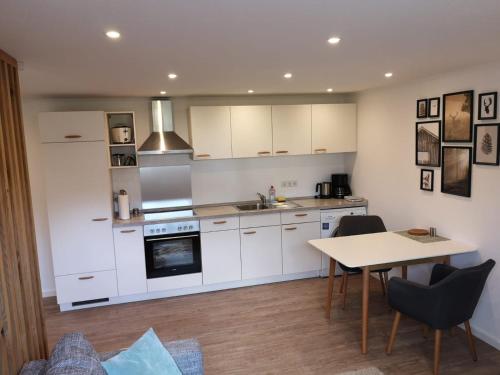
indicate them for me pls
(323, 190)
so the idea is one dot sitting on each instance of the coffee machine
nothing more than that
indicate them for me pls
(340, 185)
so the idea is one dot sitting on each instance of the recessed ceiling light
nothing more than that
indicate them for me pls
(334, 40)
(388, 75)
(329, 90)
(113, 34)
(250, 91)
(172, 76)
(163, 92)
(287, 75)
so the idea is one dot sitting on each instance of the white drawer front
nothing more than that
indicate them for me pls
(86, 286)
(260, 220)
(175, 282)
(306, 216)
(220, 223)
(71, 126)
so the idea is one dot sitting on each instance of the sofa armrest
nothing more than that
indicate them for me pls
(186, 353)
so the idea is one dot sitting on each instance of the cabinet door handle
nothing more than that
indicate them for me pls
(300, 215)
(263, 153)
(72, 136)
(252, 232)
(85, 277)
(282, 152)
(291, 228)
(203, 155)
(127, 231)
(320, 150)
(100, 219)
(220, 222)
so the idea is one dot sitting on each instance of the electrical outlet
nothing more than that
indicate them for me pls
(294, 183)
(283, 184)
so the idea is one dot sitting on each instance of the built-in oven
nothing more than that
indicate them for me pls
(172, 249)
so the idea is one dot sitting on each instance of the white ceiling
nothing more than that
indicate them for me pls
(230, 46)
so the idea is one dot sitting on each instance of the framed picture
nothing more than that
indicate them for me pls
(427, 179)
(422, 108)
(434, 107)
(428, 143)
(458, 109)
(486, 139)
(487, 106)
(456, 170)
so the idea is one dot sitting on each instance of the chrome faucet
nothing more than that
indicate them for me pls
(263, 198)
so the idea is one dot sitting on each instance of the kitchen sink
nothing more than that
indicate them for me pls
(259, 206)
(252, 207)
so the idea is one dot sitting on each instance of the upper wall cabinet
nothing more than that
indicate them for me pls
(211, 132)
(71, 126)
(222, 132)
(333, 128)
(251, 129)
(291, 129)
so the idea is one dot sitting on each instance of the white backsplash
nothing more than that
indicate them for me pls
(219, 181)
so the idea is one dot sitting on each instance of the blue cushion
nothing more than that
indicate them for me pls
(147, 356)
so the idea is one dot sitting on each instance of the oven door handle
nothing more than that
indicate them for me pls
(171, 238)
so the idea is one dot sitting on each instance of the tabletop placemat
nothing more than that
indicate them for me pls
(422, 239)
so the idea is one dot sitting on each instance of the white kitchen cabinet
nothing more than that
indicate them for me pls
(260, 220)
(334, 128)
(130, 260)
(251, 131)
(220, 256)
(261, 252)
(291, 129)
(71, 126)
(88, 286)
(210, 132)
(302, 216)
(298, 255)
(219, 223)
(78, 191)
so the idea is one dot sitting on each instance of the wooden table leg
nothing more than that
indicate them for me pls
(364, 324)
(404, 272)
(446, 260)
(331, 278)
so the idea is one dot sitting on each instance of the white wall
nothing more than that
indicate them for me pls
(385, 173)
(213, 181)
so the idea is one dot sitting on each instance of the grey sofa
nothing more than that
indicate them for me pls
(74, 355)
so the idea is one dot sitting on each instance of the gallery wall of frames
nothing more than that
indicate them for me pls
(448, 137)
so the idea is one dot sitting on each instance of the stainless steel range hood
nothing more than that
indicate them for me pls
(163, 139)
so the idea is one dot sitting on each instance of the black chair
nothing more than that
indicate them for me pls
(449, 300)
(353, 225)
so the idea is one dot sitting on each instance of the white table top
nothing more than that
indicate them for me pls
(386, 247)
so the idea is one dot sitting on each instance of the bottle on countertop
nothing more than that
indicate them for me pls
(272, 194)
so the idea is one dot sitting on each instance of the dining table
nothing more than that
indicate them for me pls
(383, 250)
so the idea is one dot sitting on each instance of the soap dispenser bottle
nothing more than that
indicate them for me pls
(272, 194)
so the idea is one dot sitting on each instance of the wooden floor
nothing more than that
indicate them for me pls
(275, 329)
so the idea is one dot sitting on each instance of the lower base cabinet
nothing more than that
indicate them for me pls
(220, 256)
(130, 260)
(261, 252)
(86, 286)
(298, 255)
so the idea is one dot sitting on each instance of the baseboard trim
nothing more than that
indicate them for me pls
(484, 336)
(48, 293)
(193, 290)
